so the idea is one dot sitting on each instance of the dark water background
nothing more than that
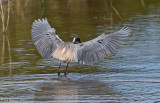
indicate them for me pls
(132, 74)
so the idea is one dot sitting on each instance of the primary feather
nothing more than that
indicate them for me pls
(45, 38)
(50, 45)
(104, 45)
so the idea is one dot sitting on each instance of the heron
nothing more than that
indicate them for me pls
(49, 45)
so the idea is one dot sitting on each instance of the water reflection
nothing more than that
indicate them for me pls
(70, 90)
(50, 88)
(5, 16)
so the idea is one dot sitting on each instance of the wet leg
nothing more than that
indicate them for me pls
(65, 73)
(58, 71)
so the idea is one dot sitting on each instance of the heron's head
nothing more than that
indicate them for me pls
(76, 39)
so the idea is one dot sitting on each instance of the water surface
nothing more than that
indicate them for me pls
(132, 74)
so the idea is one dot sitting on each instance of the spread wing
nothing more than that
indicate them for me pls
(45, 38)
(104, 45)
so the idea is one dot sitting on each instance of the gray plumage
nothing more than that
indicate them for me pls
(44, 38)
(50, 45)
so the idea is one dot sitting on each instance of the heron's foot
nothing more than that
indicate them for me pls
(58, 73)
(65, 73)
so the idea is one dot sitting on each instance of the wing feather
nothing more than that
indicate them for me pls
(104, 45)
(45, 38)
(49, 44)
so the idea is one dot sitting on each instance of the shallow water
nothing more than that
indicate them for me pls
(132, 74)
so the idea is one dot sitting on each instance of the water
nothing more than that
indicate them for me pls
(132, 74)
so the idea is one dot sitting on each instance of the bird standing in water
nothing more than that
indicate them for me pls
(49, 45)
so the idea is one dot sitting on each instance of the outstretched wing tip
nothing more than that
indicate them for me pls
(40, 20)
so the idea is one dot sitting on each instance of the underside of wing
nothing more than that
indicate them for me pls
(104, 45)
(45, 38)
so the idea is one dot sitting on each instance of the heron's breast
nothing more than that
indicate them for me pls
(64, 54)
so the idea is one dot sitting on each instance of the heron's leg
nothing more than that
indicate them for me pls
(66, 70)
(58, 71)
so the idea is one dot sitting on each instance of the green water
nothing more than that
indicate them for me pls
(132, 74)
